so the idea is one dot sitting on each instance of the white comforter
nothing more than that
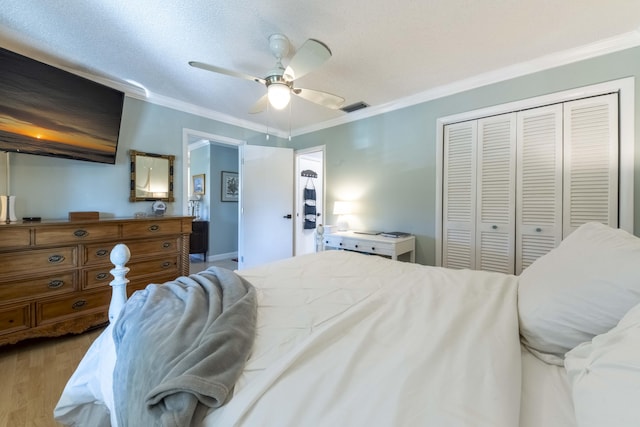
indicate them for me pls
(346, 339)
(351, 340)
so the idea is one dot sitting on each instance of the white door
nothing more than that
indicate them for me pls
(495, 175)
(265, 205)
(459, 197)
(538, 183)
(590, 162)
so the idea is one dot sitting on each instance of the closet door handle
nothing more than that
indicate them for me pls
(287, 216)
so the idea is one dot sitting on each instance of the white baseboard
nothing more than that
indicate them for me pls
(221, 257)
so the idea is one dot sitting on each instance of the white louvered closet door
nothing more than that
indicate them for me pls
(495, 226)
(538, 183)
(459, 195)
(591, 162)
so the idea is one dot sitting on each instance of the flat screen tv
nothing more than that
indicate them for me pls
(48, 111)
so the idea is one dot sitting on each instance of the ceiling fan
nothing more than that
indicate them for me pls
(280, 81)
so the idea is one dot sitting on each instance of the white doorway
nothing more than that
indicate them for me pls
(309, 175)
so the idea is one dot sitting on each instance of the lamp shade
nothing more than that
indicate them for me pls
(279, 95)
(341, 208)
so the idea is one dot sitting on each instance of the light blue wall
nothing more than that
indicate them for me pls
(223, 226)
(387, 162)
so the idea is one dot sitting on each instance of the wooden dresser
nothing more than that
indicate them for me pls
(55, 275)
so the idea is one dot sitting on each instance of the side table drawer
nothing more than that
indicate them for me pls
(333, 241)
(381, 248)
(77, 304)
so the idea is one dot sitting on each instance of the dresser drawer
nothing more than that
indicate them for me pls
(53, 259)
(15, 318)
(100, 276)
(14, 237)
(166, 266)
(52, 284)
(75, 233)
(151, 228)
(99, 253)
(77, 304)
(168, 245)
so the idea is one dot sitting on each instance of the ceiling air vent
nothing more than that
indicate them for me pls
(354, 107)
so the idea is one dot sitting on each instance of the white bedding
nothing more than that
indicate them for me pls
(373, 342)
(546, 394)
(350, 339)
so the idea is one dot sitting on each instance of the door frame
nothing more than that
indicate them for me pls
(298, 189)
(191, 140)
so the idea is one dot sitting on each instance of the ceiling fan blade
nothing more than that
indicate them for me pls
(260, 105)
(322, 98)
(311, 55)
(220, 70)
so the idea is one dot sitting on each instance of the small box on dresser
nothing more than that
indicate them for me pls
(55, 275)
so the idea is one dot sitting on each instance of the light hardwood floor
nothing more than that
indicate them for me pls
(33, 373)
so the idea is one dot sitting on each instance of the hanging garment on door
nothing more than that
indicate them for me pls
(309, 205)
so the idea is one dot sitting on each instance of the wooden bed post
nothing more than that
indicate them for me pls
(120, 255)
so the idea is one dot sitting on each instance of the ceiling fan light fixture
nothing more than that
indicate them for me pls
(279, 95)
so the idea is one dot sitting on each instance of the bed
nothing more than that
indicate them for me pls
(341, 338)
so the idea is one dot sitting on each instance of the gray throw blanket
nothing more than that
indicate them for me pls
(181, 346)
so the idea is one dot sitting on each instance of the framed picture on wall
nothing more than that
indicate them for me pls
(230, 187)
(198, 184)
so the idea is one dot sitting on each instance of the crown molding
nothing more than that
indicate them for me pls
(613, 44)
(602, 47)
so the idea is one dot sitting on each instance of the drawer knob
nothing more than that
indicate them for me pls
(356, 246)
(495, 227)
(55, 284)
(154, 227)
(81, 233)
(538, 229)
(102, 252)
(166, 264)
(79, 304)
(373, 248)
(56, 259)
(166, 245)
(102, 276)
(340, 243)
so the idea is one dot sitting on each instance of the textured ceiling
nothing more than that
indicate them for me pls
(384, 52)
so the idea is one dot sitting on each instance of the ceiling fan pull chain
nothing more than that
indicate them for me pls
(290, 121)
(268, 120)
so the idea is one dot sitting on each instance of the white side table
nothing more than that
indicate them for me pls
(372, 244)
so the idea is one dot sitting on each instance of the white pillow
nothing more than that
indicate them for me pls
(578, 290)
(605, 376)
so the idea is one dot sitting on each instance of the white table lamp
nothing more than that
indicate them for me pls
(342, 209)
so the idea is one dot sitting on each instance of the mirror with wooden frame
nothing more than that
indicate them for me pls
(151, 177)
